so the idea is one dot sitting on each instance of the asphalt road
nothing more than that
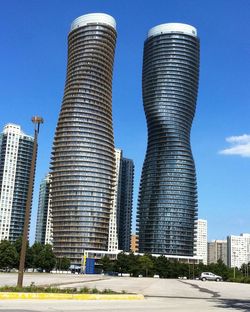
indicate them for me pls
(160, 295)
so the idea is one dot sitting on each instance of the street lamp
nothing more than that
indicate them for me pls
(36, 121)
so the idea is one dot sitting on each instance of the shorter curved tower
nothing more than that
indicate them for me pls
(83, 163)
(167, 205)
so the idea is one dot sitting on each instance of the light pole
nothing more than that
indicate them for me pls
(36, 121)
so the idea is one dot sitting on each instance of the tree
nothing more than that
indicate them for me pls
(18, 244)
(107, 264)
(35, 251)
(146, 263)
(46, 260)
(8, 255)
(133, 264)
(121, 263)
(162, 266)
(62, 263)
(199, 268)
(28, 259)
(65, 263)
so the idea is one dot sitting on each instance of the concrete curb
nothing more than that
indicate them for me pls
(52, 296)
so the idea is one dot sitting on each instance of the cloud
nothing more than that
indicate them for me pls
(240, 145)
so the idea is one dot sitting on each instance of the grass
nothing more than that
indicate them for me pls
(245, 280)
(38, 289)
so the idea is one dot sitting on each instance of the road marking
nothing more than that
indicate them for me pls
(50, 296)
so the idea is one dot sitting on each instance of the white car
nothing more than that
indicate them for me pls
(208, 276)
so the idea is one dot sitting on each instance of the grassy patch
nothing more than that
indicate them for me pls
(245, 280)
(38, 289)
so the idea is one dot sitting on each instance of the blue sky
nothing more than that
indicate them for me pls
(33, 66)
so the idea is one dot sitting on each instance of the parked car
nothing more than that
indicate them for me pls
(182, 277)
(210, 277)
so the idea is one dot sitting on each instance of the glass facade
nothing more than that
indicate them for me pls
(121, 213)
(167, 204)
(83, 163)
(23, 166)
(125, 204)
(43, 212)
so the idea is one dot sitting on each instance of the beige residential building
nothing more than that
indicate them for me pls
(134, 243)
(217, 249)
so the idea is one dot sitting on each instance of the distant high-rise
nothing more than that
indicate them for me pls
(16, 150)
(134, 243)
(44, 215)
(167, 205)
(113, 222)
(83, 162)
(126, 204)
(121, 213)
(200, 240)
(238, 250)
(217, 250)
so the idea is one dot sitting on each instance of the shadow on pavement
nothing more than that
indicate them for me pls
(213, 294)
(240, 305)
(17, 310)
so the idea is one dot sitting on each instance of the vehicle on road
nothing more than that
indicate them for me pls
(182, 277)
(209, 276)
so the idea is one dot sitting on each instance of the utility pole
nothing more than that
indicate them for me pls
(36, 121)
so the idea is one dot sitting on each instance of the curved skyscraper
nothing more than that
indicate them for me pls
(167, 205)
(83, 163)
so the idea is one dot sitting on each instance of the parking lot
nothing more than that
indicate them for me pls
(160, 294)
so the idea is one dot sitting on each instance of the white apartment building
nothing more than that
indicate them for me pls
(217, 249)
(113, 222)
(238, 249)
(200, 240)
(49, 224)
(247, 238)
(15, 161)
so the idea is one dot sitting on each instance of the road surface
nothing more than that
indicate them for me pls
(160, 295)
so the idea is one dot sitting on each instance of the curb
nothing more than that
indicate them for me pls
(52, 296)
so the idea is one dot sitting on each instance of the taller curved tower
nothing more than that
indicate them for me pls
(83, 163)
(167, 205)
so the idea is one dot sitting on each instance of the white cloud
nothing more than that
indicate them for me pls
(240, 145)
(245, 138)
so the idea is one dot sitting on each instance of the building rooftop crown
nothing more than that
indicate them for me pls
(16, 129)
(96, 18)
(173, 28)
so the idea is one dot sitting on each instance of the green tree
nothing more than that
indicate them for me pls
(146, 264)
(35, 252)
(8, 255)
(46, 259)
(18, 244)
(28, 258)
(107, 264)
(65, 263)
(199, 268)
(162, 265)
(133, 264)
(222, 270)
(121, 263)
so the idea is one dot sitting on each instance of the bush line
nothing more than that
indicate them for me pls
(38, 289)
